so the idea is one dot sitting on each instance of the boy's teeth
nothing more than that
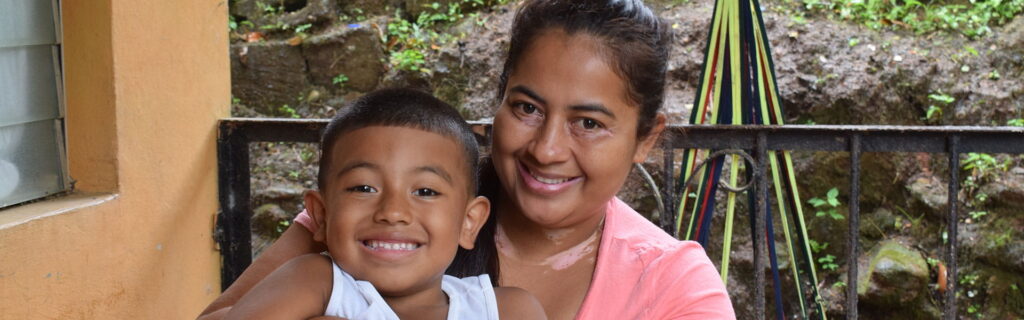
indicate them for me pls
(381, 245)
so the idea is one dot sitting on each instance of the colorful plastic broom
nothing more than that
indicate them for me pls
(737, 86)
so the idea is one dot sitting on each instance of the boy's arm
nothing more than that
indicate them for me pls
(296, 241)
(516, 303)
(298, 289)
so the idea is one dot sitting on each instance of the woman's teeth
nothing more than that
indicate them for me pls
(549, 181)
(381, 245)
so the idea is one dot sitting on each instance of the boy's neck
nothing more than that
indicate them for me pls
(431, 303)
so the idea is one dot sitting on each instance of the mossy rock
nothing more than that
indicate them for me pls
(895, 283)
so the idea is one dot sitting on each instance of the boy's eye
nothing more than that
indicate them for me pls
(366, 189)
(426, 192)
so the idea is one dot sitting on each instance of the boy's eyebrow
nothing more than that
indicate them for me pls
(533, 95)
(593, 108)
(438, 171)
(356, 165)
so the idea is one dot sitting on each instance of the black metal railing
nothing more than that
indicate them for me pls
(233, 224)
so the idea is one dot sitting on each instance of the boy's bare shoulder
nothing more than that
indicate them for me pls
(312, 265)
(516, 303)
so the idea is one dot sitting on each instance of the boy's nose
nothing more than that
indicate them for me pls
(394, 209)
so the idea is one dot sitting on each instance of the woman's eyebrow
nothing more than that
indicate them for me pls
(533, 95)
(593, 108)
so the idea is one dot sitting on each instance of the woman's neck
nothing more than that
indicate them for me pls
(520, 238)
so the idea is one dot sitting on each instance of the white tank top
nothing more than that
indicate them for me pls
(468, 298)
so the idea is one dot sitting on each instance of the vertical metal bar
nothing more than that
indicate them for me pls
(853, 243)
(669, 216)
(758, 238)
(233, 230)
(953, 146)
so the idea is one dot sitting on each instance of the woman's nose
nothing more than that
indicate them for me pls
(550, 145)
(393, 209)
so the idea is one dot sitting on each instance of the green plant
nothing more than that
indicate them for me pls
(969, 279)
(282, 226)
(828, 262)
(294, 174)
(269, 9)
(828, 206)
(306, 155)
(409, 59)
(1015, 122)
(934, 112)
(839, 284)
(340, 80)
(978, 214)
(972, 18)
(411, 43)
(994, 75)
(817, 247)
(983, 165)
(289, 112)
(302, 28)
(232, 24)
(853, 42)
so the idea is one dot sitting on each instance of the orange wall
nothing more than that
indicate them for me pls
(146, 82)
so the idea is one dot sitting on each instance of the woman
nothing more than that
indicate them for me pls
(580, 93)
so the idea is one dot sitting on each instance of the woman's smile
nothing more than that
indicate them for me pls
(546, 184)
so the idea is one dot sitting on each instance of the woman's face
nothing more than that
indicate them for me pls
(565, 135)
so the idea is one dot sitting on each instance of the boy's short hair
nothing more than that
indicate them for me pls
(401, 108)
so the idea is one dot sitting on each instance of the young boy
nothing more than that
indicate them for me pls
(396, 199)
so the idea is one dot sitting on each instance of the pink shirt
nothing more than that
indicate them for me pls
(643, 273)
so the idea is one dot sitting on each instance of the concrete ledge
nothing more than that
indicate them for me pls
(21, 214)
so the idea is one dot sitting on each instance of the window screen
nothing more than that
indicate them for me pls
(32, 160)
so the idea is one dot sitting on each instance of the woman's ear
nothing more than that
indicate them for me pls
(477, 211)
(647, 142)
(316, 209)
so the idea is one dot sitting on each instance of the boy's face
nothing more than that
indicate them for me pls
(396, 207)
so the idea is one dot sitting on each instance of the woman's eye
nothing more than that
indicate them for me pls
(526, 108)
(426, 192)
(588, 124)
(365, 189)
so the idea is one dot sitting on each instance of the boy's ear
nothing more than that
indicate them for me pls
(477, 211)
(316, 209)
(648, 142)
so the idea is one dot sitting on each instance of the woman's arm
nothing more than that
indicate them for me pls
(298, 289)
(295, 241)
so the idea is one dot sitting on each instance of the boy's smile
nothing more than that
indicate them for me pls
(396, 206)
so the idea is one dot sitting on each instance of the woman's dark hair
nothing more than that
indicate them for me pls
(484, 256)
(401, 108)
(637, 43)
